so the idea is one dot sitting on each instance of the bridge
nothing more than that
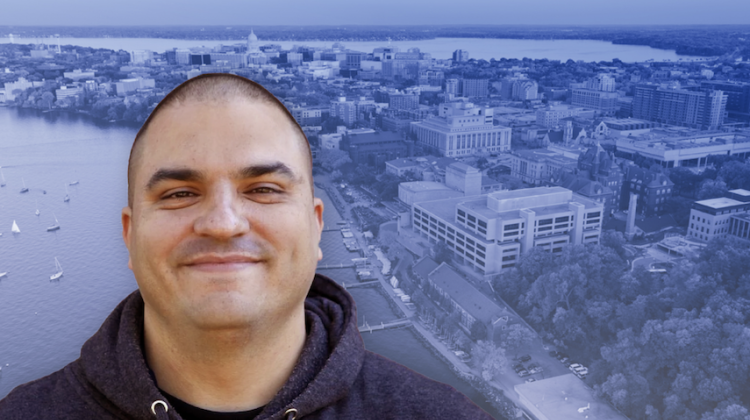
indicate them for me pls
(365, 327)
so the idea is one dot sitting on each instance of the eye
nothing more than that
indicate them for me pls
(263, 190)
(178, 195)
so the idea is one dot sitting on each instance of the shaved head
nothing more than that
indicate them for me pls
(212, 88)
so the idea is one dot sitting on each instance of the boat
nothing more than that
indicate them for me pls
(56, 225)
(15, 228)
(59, 271)
(3, 274)
(73, 183)
(67, 197)
(2, 177)
(37, 212)
(24, 189)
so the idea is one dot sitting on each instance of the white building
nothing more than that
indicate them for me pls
(491, 231)
(462, 129)
(710, 219)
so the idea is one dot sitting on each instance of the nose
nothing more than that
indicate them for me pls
(221, 216)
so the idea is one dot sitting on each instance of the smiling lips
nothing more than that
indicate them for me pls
(222, 262)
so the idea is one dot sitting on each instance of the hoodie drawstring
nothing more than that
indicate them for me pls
(160, 413)
(291, 414)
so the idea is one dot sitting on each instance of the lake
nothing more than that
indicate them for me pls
(442, 48)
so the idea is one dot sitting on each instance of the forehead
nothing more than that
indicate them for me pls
(220, 135)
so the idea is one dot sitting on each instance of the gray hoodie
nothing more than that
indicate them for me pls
(335, 377)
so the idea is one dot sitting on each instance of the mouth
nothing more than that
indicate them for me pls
(222, 263)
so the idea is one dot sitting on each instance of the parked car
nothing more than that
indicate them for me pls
(560, 355)
(463, 356)
(574, 366)
(564, 360)
(524, 358)
(580, 375)
(535, 369)
(517, 367)
(523, 373)
(530, 380)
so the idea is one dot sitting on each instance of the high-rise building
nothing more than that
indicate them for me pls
(346, 110)
(405, 65)
(460, 56)
(403, 101)
(738, 95)
(597, 93)
(471, 88)
(461, 128)
(451, 87)
(141, 56)
(704, 110)
(491, 231)
(431, 77)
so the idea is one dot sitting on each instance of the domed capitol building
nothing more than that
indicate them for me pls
(254, 54)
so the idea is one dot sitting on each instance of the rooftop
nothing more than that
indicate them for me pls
(403, 163)
(424, 186)
(424, 266)
(739, 191)
(719, 203)
(563, 397)
(463, 293)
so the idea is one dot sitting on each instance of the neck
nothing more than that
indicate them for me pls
(223, 370)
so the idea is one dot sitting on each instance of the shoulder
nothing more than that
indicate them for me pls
(406, 394)
(48, 398)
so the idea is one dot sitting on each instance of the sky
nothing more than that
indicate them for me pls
(371, 12)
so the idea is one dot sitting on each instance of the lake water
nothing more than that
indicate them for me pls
(484, 48)
(43, 323)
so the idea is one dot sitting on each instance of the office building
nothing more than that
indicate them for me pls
(461, 128)
(550, 116)
(702, 110)
(431, 78)
(141, 57)
(126, 86)
(375, 149)
(403, 101)
(739, 227)
(472, 88)
(678, 150)
(491, 231)
(720, 217)
(79, 74)
(738, 95)
(346, 110)
(460, 56)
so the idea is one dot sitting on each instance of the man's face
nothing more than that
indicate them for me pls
(223, 231)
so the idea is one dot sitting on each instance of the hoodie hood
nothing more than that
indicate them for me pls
(112, 369)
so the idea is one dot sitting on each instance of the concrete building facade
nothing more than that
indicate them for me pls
(718, 217)
(491, 231)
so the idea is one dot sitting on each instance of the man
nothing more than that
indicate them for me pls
(230, 320)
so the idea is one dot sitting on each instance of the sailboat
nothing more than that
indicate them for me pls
(24, 189)
(59, 271)
(73, 183)
(37, 212)
(3, 274)
(2, 177)
(56, 225)
(67, 197)
(15, 228)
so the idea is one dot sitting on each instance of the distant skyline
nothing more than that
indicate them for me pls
(381, 12)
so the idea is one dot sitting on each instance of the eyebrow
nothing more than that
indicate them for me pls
(192, 175)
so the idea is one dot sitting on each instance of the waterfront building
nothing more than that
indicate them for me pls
(703, 110)
(679, 150)
(720, 217)
(141, 57)
(67, 91)
(491, 231)
(540, 166)
(460, 129)
(460, 56)
(21, 84)
(126, 86)
(653, 190)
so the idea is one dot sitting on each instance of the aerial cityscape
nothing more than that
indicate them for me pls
(555, 238)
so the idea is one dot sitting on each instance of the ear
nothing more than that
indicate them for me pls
(127, 227)
(318, 209)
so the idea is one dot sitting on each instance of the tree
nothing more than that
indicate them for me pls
(712, 189)
(478, 331)
(489, 358)
(331, 159)
(517, 336)
(685, 181)
(736, 174)
(441, 253)
(47, 99)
